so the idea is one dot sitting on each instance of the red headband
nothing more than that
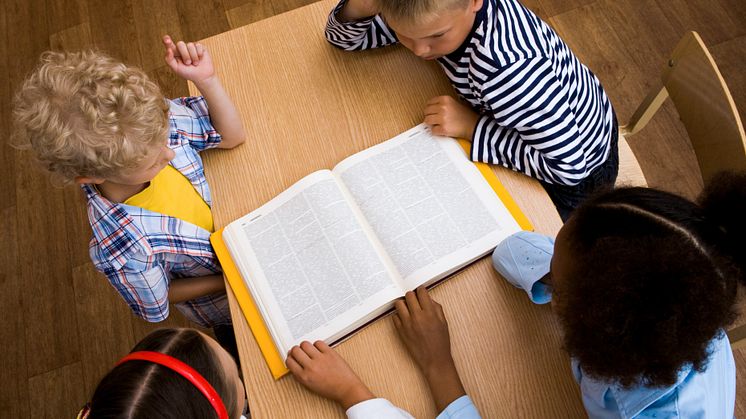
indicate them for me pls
(185, 371)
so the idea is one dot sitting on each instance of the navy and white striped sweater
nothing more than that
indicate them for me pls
(543, 113)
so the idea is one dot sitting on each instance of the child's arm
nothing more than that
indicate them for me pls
(524, 259)
(192, 62)
(356, 10)
(185, 289)
(423, 328)
(527, 123)
(323, 371)
(320, 369)
(355, 25)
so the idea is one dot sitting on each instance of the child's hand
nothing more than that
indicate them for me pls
(448, 117)
(189, 60)
(320, 369)
(358, 9)
(423, 328)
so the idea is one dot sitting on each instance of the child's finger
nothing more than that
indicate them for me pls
(193, 53)
(434, 100)
(401, 311)
(200, 50)
(167, 41)
(309, 349)
(423, 297)
(293, 365)
(183, 52)
(397, 322)
(437, 129)
(439, 312)
(322, 346)
(170, 59)
(412, 304)
(433, 109)
(433, 120)
(300, 356)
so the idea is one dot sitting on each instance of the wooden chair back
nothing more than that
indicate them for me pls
(706, 108)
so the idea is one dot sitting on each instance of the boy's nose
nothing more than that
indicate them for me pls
(421, 49)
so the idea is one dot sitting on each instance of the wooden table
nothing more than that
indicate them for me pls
(306, 106)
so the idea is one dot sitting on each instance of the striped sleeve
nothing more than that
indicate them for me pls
(528, 124)
(358, 35)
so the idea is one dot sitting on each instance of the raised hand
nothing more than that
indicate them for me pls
(190, 60)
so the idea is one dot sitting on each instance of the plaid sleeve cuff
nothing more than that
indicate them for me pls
(195, 123)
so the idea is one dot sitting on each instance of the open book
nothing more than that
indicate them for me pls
(333, 252)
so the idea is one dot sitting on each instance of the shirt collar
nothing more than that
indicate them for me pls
(116, 235)
(478, 20)
(632, 401)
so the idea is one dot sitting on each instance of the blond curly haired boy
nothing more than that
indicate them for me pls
(92, 120)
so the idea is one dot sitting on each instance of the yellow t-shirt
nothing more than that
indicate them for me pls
(172, 194)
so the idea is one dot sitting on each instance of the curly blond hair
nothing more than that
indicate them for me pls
(417, 10)
(86, 114)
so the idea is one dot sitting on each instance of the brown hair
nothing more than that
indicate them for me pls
(141, 389)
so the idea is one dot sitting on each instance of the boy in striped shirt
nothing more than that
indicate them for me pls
(532, 106)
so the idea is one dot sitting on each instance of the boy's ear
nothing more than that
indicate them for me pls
(476, 5)
(81, 180)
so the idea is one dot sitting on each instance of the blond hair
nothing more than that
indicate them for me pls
(86, 114)
(417, 10)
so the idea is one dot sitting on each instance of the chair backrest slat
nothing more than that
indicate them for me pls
(706, 107)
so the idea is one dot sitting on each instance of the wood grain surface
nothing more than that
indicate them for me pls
(306, 106)
(624, 42)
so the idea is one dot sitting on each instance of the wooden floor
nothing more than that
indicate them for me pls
(64, 324)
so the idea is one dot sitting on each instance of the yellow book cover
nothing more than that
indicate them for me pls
(248, 308)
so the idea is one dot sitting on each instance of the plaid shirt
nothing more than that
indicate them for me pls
(141, 251)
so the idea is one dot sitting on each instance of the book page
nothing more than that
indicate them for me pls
(308, 263)
(427, 203)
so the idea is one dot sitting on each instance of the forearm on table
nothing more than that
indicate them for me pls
(223, 112)
(445, 385)
(498, 145)
(185, 289)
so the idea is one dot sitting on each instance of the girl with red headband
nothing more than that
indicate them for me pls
(172, 373)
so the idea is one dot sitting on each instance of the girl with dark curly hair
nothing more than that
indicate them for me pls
(644, 283)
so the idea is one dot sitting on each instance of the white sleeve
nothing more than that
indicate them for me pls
(376, 409)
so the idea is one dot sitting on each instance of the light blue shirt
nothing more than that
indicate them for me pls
(524, 258)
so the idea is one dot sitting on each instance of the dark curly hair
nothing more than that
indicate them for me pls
(141, 389)
(655, 280)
